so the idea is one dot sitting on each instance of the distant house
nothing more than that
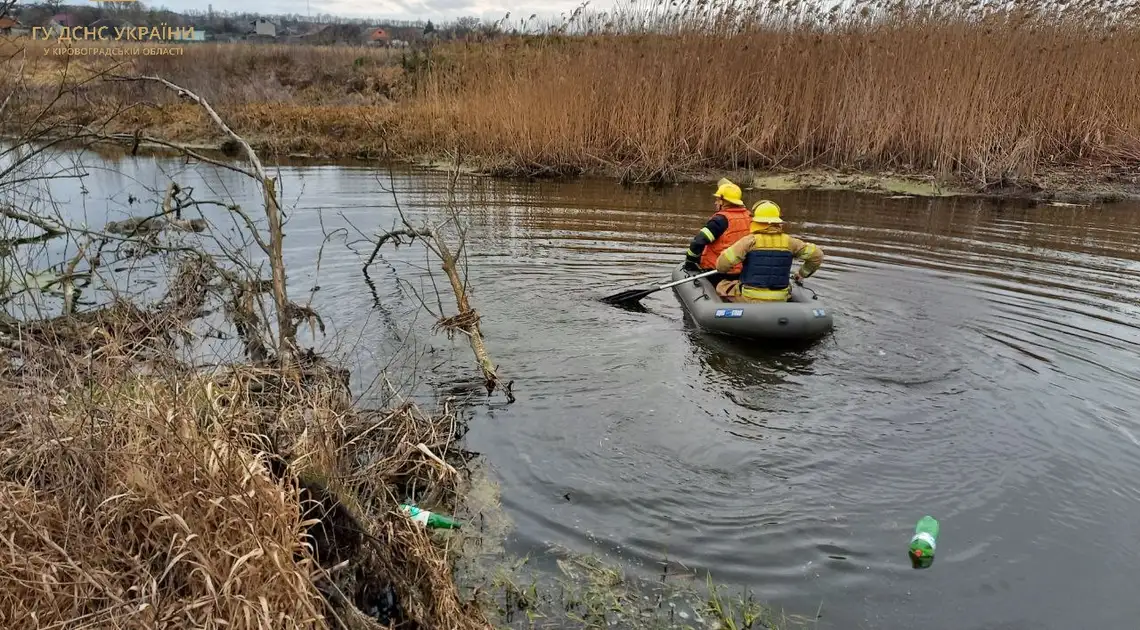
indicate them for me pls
(65, 19)
(264, 28)
(59, 21)
(183, 34)
(114, 26)
(10, 26)
(337, 35)
(379, 37)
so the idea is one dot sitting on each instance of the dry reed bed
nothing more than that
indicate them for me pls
(140, 493)
(987, 99)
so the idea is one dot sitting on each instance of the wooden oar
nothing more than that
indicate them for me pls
(634, 295)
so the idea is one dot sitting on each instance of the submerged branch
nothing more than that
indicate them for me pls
(50, 228)
(182, 92)
(134, 140)
(68, 279)
(466, 319)
(395, 235)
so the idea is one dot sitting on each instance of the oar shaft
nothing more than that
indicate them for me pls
(676, 282)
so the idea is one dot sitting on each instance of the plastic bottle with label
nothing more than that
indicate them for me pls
(924, 542)
(429, 519)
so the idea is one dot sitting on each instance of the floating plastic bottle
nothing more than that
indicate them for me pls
(923, 543)
(429, 519)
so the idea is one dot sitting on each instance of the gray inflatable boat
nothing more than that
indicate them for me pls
(802, 318)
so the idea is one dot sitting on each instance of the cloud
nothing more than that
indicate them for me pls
(465, 6)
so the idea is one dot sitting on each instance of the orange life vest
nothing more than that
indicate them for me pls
(739, 220)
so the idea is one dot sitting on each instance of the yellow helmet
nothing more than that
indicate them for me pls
(766, 212)
(728, 191)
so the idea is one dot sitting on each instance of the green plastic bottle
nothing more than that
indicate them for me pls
(923, 543)
(430, 519)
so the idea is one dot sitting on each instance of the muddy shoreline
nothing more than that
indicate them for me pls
(1071, 185)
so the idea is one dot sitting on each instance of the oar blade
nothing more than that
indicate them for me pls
(628, 296)
(632, 296)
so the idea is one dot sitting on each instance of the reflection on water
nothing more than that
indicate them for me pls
(745, 368)
(982, 370)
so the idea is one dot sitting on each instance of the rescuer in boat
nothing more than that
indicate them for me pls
(765, 256)
(728, 225)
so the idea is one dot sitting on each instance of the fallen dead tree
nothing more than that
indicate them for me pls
(287, 313)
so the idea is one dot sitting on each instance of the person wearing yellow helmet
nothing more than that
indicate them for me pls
(766, 254)
(727, 225)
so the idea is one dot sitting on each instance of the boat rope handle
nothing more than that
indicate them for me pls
(704, 294)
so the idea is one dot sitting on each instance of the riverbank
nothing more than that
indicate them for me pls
(141, 489)
(174, 455)
(1072, 185)
(795, 505)
(1014, 103)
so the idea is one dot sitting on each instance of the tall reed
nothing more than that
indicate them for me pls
(984, 90)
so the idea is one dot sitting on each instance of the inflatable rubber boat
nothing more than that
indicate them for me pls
(802, 318)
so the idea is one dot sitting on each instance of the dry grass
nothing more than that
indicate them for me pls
(287, 99)
(986, 92)
(140, 492)
(126, 512)
(223, 73)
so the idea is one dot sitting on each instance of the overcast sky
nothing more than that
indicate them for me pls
(439, 10)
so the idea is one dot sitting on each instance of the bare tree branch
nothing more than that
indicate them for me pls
(286, 311)
(251, 155)
(134, 139)
(68, 279)
(18, 85)
(466, 320)
(394, 235)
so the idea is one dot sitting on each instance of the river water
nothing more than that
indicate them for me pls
(983, 370)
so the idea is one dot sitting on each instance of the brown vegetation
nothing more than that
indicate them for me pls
(175, 498)
(989, 93)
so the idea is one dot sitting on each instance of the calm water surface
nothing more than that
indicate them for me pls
(983, 370)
